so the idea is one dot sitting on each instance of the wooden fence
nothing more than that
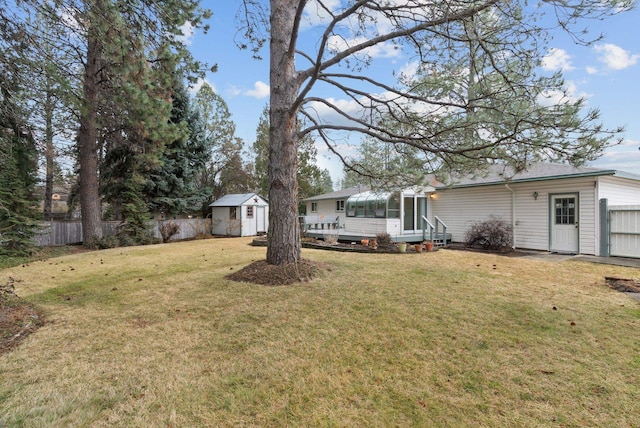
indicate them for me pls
(57, 233)
(624, 231)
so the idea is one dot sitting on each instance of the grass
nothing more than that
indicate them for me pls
(156, 336)
(39, 253)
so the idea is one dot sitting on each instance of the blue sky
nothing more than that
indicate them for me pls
(606, 73)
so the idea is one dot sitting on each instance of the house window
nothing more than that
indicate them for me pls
(249, 212)
(314, 207)
(340, 206)
(232, 213)
(566, 211)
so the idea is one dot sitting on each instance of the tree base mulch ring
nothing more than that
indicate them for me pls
(262, 273)
(622, 284)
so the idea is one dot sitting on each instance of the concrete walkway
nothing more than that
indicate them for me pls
(556, 257)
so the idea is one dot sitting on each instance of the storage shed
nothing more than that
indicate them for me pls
(244, 214)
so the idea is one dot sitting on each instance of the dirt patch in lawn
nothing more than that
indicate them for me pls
(623, 284)
(262, 273)
(18, 319)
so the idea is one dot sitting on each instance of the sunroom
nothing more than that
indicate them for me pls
(364, 214)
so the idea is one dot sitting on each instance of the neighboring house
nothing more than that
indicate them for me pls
(552, 207)
(240, 215)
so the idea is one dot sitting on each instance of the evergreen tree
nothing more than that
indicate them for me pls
(310, 178)
(219, 135)
(384, 167)
(18, 157)
(171, 189)
(261, 154)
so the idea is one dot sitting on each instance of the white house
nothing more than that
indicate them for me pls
(358, 212)
(552, 207)
(240, 215)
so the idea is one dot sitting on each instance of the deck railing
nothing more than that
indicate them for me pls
(435, 236)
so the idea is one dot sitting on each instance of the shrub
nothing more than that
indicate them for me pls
(168, 229)
(491, 234)
(331, 238)
(384, 240)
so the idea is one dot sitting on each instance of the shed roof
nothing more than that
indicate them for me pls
(235, 200)
(497, 174)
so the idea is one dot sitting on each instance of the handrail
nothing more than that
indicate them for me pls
(440, 221)
(427, 225)
(424, 229)
(444, 229)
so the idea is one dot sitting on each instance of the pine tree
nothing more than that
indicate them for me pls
(219, 135)
(18, 157)
(171, 188)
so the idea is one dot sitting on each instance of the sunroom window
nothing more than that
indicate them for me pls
(374, 205)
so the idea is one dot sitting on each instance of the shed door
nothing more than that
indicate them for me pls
(261, 219)
(564, 223)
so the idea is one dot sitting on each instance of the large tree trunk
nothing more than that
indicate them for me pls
(87, 148)
(283, 243)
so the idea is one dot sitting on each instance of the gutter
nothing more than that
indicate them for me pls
(513, 214)
(543, 178)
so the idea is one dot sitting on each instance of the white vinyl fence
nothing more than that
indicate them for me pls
(57, 233)
(624, 231)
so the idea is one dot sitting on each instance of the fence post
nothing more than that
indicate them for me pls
(605, 231)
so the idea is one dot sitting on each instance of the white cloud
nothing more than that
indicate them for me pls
(622, 157)
(234, 91)
(380, 50)
(260, 90)
(614, 57)
(195, 88)
(558, 97)
(592, 70)
(409, 70)
(188, 31)
(314, 14)
(557, 59)
(630, 143)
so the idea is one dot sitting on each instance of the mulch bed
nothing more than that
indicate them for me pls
(262, 273)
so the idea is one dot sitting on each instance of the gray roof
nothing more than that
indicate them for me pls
(338, 194)
(235, 200)
(497, 174)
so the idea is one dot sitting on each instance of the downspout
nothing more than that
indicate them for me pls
(513, 214)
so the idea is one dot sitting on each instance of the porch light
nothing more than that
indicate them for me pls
(535, 195)
(433, 196)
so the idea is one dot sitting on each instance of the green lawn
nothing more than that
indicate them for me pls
(156, 336)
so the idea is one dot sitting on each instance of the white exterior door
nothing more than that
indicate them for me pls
(564, 223)
(261, 219)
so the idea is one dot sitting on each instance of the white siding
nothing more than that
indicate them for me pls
(221, 224)
(242, 225)
(369, 227)
(619, 191)
(327, 210)
(458, 208)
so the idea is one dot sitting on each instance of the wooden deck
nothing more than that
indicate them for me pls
(349, 236)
